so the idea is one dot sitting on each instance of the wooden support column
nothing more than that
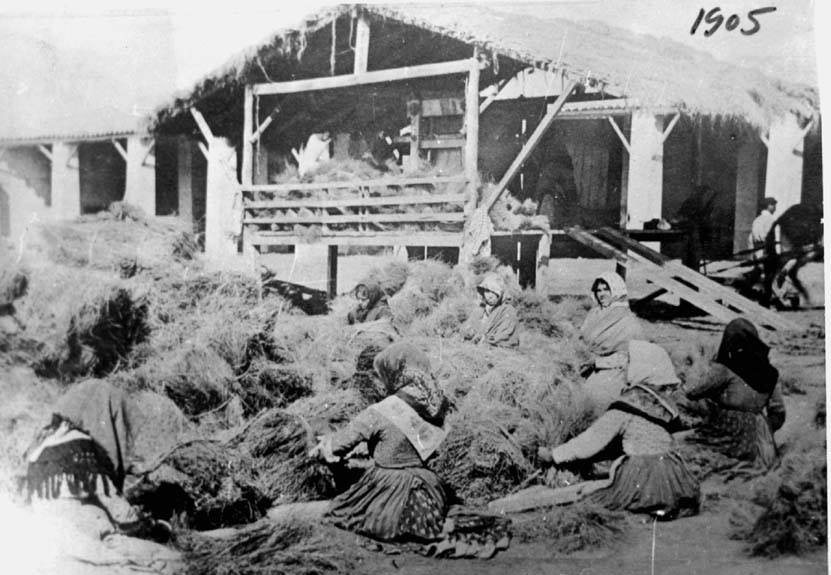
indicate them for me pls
(472, 135)
(184, 178)
(221, 216)
(646, 168)
(784, 167)
(361, 44)
(247, 131)
(140, 187)
(748, 190)
(66, 181)
(332, 273)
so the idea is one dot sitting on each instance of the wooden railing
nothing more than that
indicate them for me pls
(385, 211)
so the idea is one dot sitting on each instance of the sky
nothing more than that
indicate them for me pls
(206, 36)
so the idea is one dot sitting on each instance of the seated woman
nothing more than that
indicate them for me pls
(499, 326)
(80, 457)
(744, 403)
(399, 499)
(649, 477)
(607, 330)
(372, 304)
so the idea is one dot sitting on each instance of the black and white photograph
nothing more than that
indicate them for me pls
(416, 287)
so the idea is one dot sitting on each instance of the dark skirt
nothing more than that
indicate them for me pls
(393, 505)
(731, 440)
(656, 484)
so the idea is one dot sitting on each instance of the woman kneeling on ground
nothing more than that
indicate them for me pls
(607, 330)
(744, 403)
(372, 304)
(400, 500)
(649, 477)
(500, 326)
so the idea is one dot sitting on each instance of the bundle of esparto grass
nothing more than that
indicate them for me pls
(572, 527)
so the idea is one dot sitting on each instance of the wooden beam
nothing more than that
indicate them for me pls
(375, 77)
(619, 133)
(669, 128)
(361, 44)
(247, 128)
(204, 149)
(151, 149)
(207, 133)
(120, 149)
(379, 183)
(357, 202)
(442, 143)
(45, 151)
(444, 239)
(358, 218)
(765, 139)
(266, 123)
(529, 146)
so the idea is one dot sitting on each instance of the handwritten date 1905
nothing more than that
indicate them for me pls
(715, 19)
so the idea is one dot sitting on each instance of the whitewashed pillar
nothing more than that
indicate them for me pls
(221, 212)
(783, 179)
(646, 168)
(140, 187)
(184, 178)
(66, 181)
(748, 174)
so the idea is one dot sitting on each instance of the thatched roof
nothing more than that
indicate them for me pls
(59, 83)
(655, 72)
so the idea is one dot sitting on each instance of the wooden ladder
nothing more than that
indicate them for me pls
(720, 302)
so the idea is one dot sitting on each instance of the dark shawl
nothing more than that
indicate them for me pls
(746, 355)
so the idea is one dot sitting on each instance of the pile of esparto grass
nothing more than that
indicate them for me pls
(292, 547)
(569, 528)
(793, 507)
(510, 214)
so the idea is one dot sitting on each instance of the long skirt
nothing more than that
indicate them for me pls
(656, 484)
(393, 505)
(731, 440)
(603, 387)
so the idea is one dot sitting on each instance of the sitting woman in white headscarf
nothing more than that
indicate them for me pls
(607, 330)
(499, 326)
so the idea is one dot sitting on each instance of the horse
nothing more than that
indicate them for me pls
(800, 231)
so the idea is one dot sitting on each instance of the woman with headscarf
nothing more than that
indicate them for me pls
(648, 477)
(83, 456)
(399, 499)
(744, 402)
(372, 304)
(500, 326)
(607, 330)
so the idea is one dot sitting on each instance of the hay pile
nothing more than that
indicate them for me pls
(572, 527)
(510, 214)
(286, 548)
(793, 502)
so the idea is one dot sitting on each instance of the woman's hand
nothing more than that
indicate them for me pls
(545, 456)
(323, 450)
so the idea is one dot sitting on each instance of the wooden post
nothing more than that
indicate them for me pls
(140, 185)
(361, 44)
(247, 130)
(66, 182)
(332, 273)
(472, 135)
(748, 174)
(624, 189)
(220, 226)
(646, 169)
(784, 167)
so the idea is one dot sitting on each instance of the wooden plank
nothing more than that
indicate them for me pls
(440, 239)
(379, 183)
(359, 219)
(247, 147)
(351, 203)
(204, 128)
(619, 133)
(120, 149)
(48, 154)
(374, 77)
(442, 143)
(600, 246)
(704, 284)
(471, 133)
(430, 108)
(361, 44)
(529, 147)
